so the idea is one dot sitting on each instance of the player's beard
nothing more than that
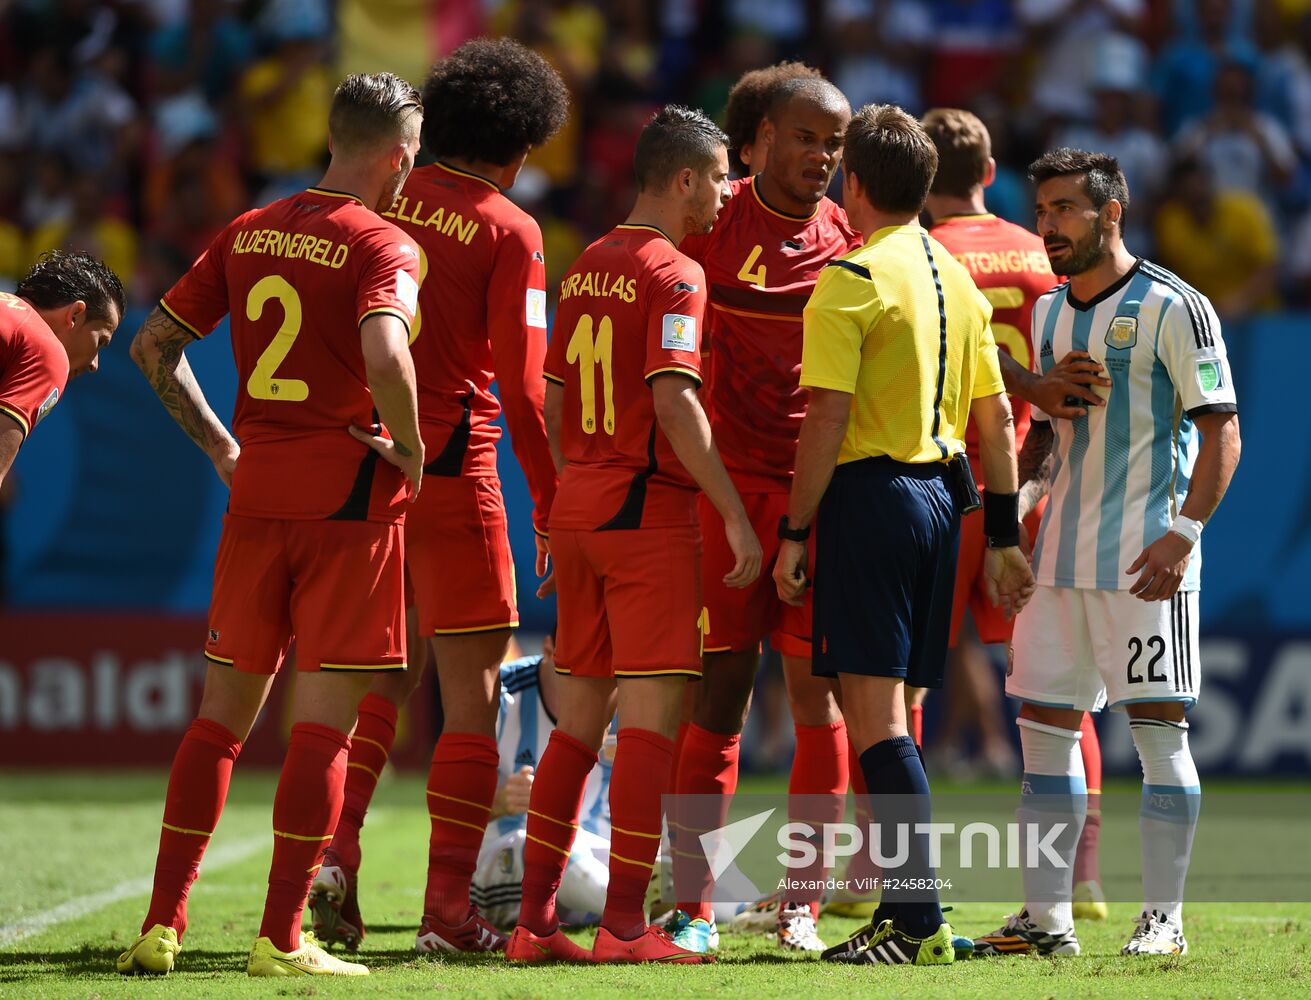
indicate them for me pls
(1083, 256)
(389, 193)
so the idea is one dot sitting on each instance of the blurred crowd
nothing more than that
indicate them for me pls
(137, 128)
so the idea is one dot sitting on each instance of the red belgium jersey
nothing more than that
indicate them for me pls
(33, 364)
(762, 265)
(481, 317)
(1009, 265)
(631, 308)
(299, 277)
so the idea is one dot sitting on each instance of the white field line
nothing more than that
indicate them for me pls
(220, 857)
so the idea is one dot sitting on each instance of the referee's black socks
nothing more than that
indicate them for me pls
(899, 793)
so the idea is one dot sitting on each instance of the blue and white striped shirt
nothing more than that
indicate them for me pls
(523, 727)
(1122, 472)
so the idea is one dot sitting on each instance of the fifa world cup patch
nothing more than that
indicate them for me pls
(407, 290)
(1122, 334)
(1210, 376)
(678, 333)
(47, 406)
(535, 314)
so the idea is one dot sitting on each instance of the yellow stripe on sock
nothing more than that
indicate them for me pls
(365, 767)
(457, 822)
(301, 836)
(481, 806)
(539, 840)
(183, 829)
(561, 822)
(635, 864)
(633, 833)
(365, 739)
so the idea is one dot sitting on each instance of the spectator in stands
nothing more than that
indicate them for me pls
(1221, 242)
(90, 228)
(879, 48)
(1118, 82)
(1186, 69)
(1245, 149)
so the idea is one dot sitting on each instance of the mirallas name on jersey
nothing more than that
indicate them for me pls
(276, 243)
(599, 284)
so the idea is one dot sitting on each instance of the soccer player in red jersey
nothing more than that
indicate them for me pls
(623, 369)
(1010, 266)
(322, 291)
(481, 316)
(762, 261)
(63, 312)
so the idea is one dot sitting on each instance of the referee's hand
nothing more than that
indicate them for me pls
(790, 572)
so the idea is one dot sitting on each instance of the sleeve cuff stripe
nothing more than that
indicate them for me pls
(1205, 408)
(179, 320)
(19, 419)
(553, 378)
(675, 370)
(385, 311)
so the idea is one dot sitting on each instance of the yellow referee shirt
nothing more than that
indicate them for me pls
(899, 324)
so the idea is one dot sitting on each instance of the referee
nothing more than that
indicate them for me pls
(898, 355)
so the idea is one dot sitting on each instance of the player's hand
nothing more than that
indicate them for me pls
(544, 569)
(1008, 579)
(408, 460)
(518, 789)
(746, 550)
(1162, 564)
(225, 462)
(790, 572)
(1074, 375)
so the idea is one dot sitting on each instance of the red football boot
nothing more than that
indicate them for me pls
(528, 948)
(474, 935)
(655, 945)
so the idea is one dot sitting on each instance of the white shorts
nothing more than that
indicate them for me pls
(1085, 649)
(497, 888)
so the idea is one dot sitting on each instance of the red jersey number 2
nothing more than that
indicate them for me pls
(262, 384)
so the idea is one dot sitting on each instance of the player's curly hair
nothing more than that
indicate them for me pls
(1103, 178)
(59, 277)
(491, 99)
(749, 101)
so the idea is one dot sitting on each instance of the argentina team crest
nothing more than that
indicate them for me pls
(1122, 334)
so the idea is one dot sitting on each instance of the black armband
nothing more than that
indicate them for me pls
(1001, 519)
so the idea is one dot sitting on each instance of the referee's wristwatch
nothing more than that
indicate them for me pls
(790, 534)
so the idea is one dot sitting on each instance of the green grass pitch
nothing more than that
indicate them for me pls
(76, 853)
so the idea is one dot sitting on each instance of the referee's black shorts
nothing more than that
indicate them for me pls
(885, 569)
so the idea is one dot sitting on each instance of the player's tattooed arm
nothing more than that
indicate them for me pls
(1035, 466)
(158, 350)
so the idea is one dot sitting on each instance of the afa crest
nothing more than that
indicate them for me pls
(1122, 334)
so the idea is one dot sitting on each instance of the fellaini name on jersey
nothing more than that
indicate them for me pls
(599, 284)
(1005, 261)
(451, 224)
(276, 243)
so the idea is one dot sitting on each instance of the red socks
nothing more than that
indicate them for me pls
(819, 770)
(461, 787)
(917, 724)
(644, 761)
(306, 808)
(197, 788)
(707, 765)
(552, 821)
(1087, 867)
(370, 747)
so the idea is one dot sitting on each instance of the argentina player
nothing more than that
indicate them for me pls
(1115, 617)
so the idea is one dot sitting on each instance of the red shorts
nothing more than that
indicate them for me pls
(457, 557)
(971, 589)
(336, 586)
(629, 602)
(739, 619)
